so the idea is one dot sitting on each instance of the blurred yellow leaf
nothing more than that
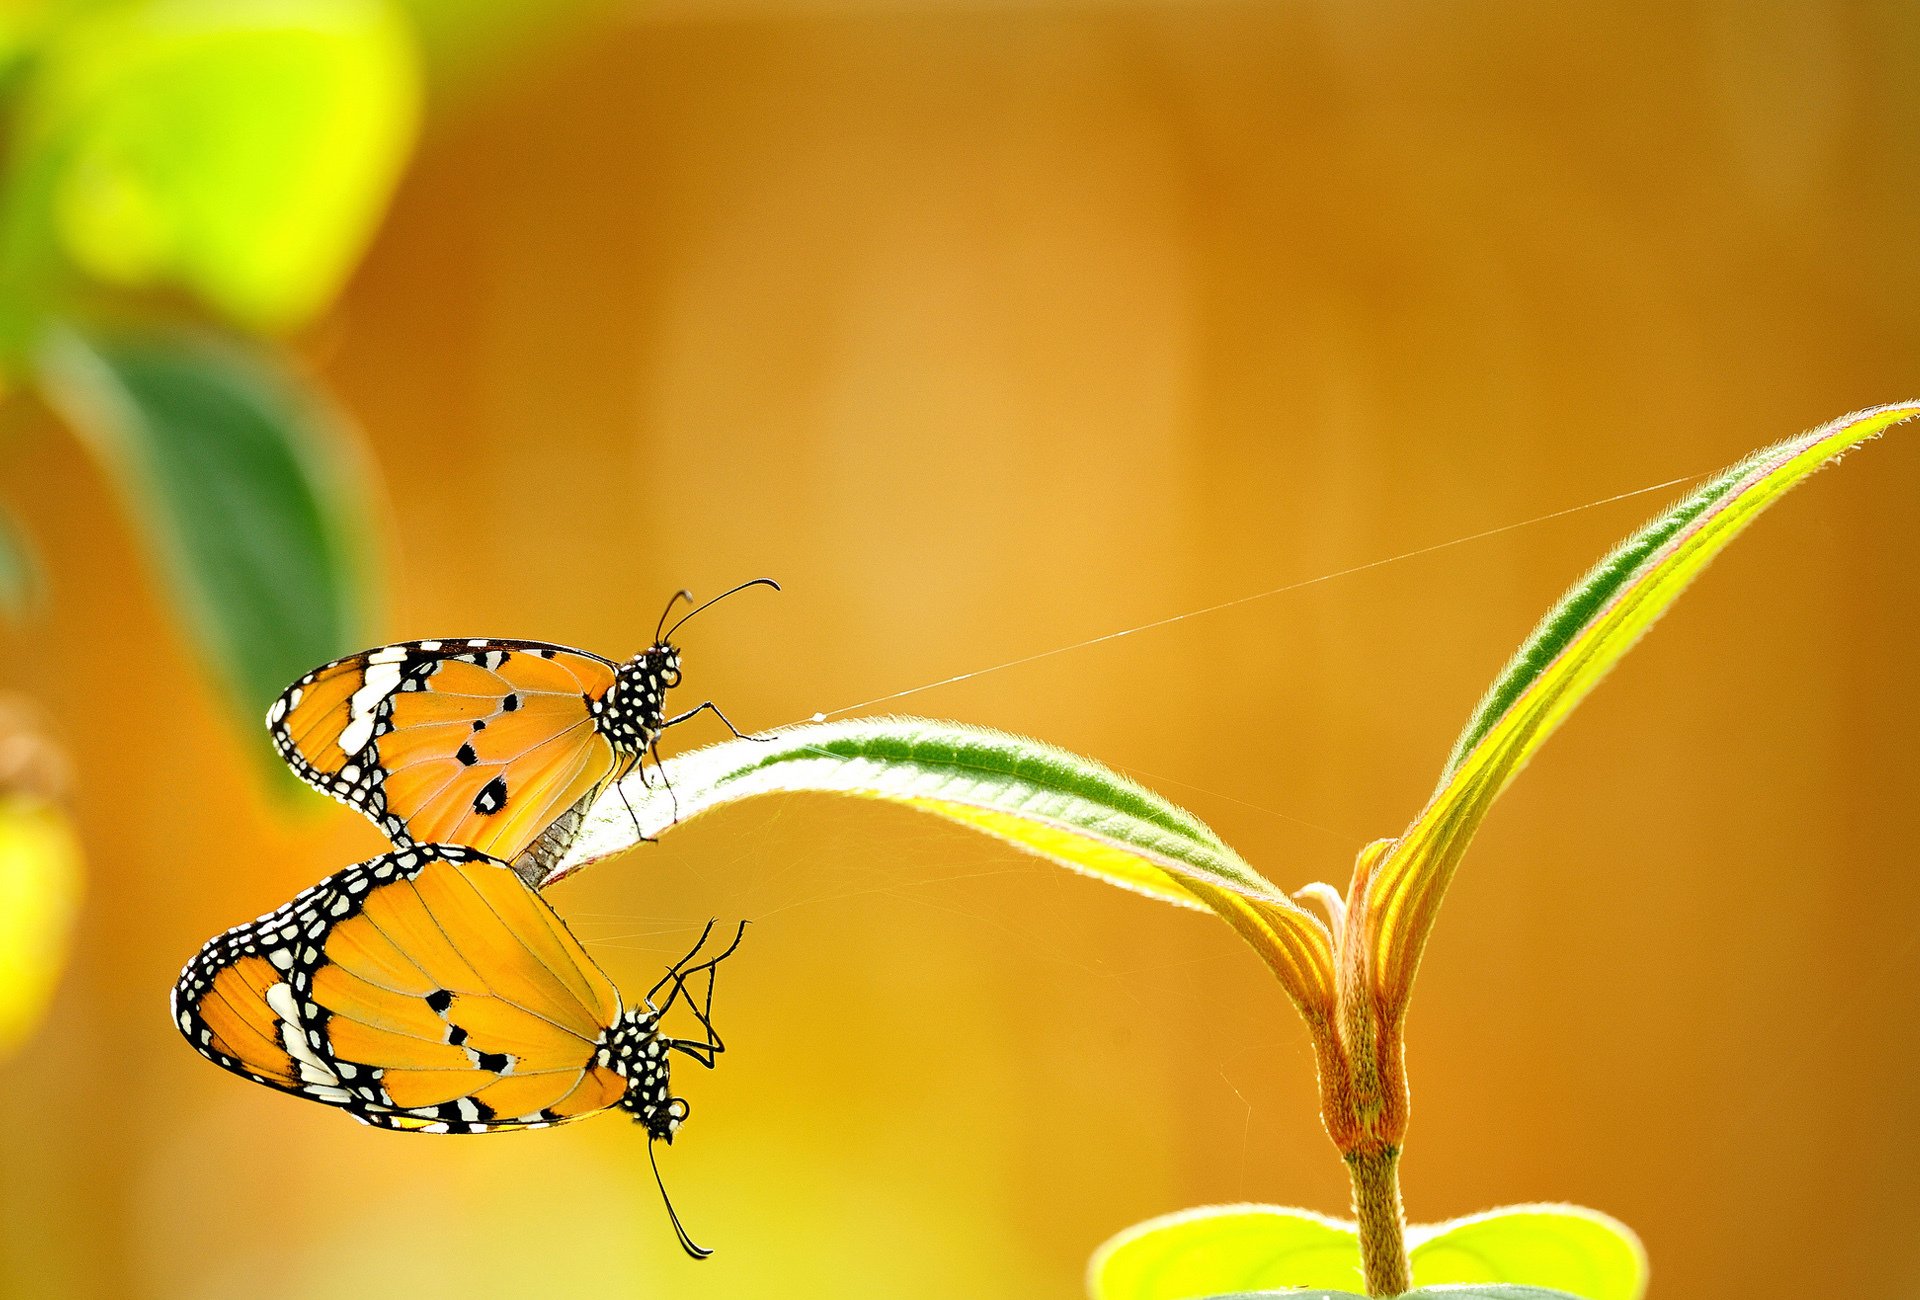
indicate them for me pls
(39, 895)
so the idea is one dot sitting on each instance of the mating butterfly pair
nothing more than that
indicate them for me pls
(432, 989)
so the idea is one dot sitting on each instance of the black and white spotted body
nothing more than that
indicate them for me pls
(636, 1049)
(633, 712)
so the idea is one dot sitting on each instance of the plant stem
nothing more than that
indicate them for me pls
(1383, 1225)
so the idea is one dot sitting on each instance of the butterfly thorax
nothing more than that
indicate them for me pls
(637, 1051)
(630, 714)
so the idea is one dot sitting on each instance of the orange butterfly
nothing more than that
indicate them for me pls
(432, 990)
(497, 745)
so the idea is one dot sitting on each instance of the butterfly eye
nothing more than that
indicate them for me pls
(671, 676)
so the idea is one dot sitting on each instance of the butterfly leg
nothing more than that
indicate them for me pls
(707, 1049)
(637, 828)
(661, 768)
(675, 969)
(711, 707)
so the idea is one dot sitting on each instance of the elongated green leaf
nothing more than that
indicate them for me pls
(1585, 635)
(1570, 1249)
(1051, 803)
(246, 489)
(1246, 1248)
(243, 152)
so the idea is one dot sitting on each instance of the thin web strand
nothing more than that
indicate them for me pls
(1248, 600)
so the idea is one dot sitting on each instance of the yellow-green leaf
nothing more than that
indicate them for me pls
(1596, 623)
(39, 896)
(241, 151)
(1046, 801)
(1218, 1250)
(1564, 1247)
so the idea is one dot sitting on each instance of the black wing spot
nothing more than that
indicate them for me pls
(439, 1000)
(492, 797)
(466, 755)
(456, 1035)
(479, 724)
(494, 1061)
(509, 704)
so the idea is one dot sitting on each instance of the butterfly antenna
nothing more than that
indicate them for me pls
(675, 599)
(688, 1244)
(757, 582)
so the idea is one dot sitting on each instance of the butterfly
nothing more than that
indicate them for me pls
(432, 990)
(493, 744)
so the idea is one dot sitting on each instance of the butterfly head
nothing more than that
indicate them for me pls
(658, 664)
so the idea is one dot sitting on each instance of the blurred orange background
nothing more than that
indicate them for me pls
(987, 329)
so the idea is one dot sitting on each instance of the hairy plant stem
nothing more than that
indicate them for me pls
(1383, 1224)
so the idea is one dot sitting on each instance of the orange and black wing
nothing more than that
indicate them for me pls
(428, 989)
(489, 744)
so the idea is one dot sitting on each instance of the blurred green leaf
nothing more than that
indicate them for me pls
(245, 486)
(1059, 806)
(1243, 1249)
(1572, 1249)
(461, 40)
(39, 897)
(20, 580)
(242, 151)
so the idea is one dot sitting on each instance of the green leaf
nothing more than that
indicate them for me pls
(1249, 1248)
(1571, 1249)
(1581, 639)
(243, 152)
(246, 488)
(1222, 1248)
(1059, 806)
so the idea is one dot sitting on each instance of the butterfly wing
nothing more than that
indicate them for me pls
(481, 743)
(429, 989)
